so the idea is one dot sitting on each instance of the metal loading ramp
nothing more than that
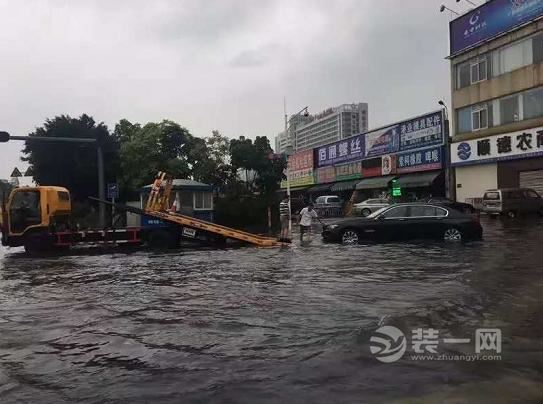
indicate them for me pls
(187, 221)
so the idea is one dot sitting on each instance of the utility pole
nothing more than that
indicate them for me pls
(5, 137)
(450, 192)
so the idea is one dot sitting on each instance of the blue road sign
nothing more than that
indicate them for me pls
(112, 191)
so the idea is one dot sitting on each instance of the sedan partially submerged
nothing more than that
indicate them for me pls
(406, 221)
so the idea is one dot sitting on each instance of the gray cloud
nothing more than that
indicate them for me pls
(255, 57)
(217, 64)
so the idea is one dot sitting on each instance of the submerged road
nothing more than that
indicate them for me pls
(266, 325)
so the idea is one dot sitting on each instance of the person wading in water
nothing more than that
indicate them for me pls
(306, 218)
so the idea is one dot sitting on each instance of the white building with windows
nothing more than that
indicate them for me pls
(497, 98)
(330, 125)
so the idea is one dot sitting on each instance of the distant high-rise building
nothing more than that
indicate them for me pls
(307, 132)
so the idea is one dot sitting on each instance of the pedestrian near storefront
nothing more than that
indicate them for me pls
(284, 215)
(307, 215)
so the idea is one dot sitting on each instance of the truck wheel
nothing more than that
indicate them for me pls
(161, 240)
(35, 243)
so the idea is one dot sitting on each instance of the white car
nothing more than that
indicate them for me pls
(369, 206)
(328, 201)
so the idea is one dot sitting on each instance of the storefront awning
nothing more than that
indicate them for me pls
(319, 188)
(344, 186)
(374, 183)
(418, 180)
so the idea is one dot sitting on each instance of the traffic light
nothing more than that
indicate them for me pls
(396, 189)
(4, 137)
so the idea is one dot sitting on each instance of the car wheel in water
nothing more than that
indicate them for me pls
(452, 234)
(366, 212)
(350, 237)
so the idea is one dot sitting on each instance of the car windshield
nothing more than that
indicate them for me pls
(492, 195)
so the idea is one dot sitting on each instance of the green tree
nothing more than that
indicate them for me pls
(257, 156)
(71, 165)
(247, 203)
(215, 168)
(165, 146)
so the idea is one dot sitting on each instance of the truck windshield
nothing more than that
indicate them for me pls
(24, 210)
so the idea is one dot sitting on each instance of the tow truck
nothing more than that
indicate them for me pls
(39, 219)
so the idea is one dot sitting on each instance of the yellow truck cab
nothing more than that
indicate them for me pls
(31, 213)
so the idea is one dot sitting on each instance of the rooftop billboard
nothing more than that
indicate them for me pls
(489, 20)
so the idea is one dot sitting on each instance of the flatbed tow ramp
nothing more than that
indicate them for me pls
(157, 207)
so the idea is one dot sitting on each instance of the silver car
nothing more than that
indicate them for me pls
(369, 206)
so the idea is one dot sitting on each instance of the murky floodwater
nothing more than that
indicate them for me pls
(259, 325)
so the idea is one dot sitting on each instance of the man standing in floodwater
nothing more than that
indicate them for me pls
(284, 215)
(306, 218)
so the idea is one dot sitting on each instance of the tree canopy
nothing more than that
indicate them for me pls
(71, 165)
(134, 153)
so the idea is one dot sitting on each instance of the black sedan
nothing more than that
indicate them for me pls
(406, 221)
(459, 206)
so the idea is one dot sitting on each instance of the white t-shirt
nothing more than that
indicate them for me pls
(306, 216)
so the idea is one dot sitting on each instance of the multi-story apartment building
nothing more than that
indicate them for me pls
(332, 124)
(497, 97)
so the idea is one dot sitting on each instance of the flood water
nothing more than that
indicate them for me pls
(267, 325)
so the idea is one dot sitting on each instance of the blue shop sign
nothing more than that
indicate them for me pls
(420, 160)
(491, 19)
(344, 150)
(424, 131)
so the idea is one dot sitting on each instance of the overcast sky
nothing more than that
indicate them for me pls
(222, 65)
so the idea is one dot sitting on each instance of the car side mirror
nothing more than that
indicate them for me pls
(381, 217)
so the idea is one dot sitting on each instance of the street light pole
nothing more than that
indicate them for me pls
(289, 152)
(288, 170)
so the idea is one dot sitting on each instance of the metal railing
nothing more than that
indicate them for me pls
(329, 211)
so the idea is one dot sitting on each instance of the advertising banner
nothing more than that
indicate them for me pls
(349, 171)
(491, 19)
(325, 175)
(301, 169)
(300, 178)
(344, 150)
(420, 160)
(422, 132)
(508, 146)
(381, 141)
(388, 164)
(301, 160)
